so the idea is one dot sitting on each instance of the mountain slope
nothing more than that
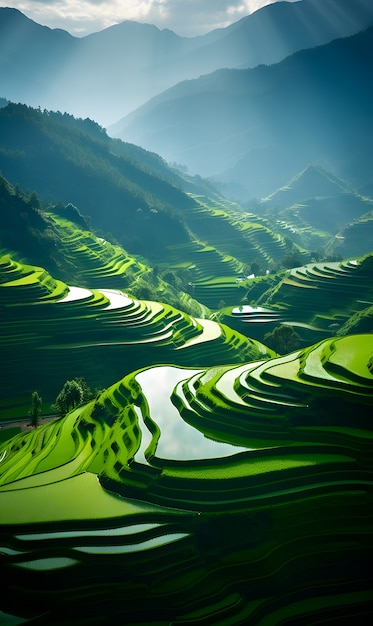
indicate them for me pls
(107, 74)
(58, 238)
(278, 30)
(122, 188)
(312, 182)
(314, 207)
(130, 194)
(318, 300)
(261, 126)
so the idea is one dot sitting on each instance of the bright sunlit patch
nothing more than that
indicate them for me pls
(76, 293)
(118, 300)
(186, 18)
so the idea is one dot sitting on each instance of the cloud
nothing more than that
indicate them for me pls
(185, 17)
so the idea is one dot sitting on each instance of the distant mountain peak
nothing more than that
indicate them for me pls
(318, 179)
(312, 182)
(14, 19)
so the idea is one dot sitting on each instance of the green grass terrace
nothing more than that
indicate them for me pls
(179, 489)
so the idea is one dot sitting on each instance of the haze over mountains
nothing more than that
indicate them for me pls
(107, 74)
(256, 128)
(306, 118)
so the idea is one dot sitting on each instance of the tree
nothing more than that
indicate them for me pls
(88, 394)
(35, 408)
(34, 200)
(292, 259)
(255, 268)
(71, 394)
(283, 339)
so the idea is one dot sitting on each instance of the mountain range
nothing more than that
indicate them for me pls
(255, 128)
(107, 74)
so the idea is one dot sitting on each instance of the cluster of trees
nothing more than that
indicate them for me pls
(73, 393)
(25, 229)
(282, 339)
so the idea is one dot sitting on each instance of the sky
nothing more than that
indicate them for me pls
(185, 17)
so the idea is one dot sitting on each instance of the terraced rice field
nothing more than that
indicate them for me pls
(236, 494)
(316, 299)
(52, 332)
(235, 239)
(95, 260)
(243, 235)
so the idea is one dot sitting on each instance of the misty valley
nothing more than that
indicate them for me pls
(186, 316)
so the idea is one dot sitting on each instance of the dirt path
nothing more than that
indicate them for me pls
(25, 424)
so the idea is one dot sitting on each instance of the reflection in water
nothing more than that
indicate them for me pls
(111, 532)
(246, 308)
(155, 542)
(146, 438)
(118, 299)
(178, 439)
(51, 563)
(76, 293)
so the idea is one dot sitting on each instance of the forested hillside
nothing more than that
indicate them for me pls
(97, 174)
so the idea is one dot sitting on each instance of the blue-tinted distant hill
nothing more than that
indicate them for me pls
(261, 126)
(315, 206)
(107, 74)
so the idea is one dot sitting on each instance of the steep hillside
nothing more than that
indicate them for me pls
(108, 74)
(259, 127)
(59, 239)
(124, 190)
(276, 31)
(252, 477)
(312, 182)
(356, 236)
